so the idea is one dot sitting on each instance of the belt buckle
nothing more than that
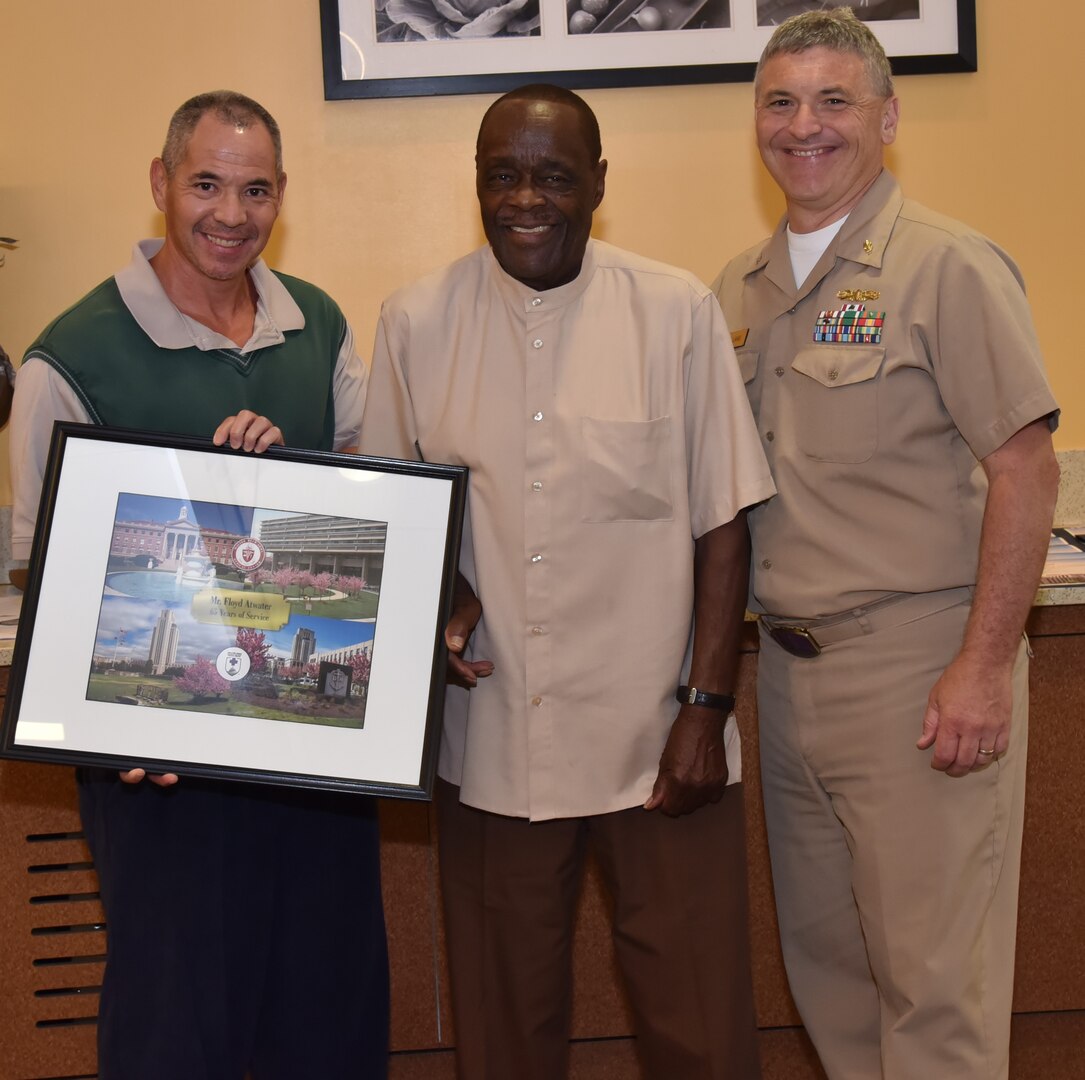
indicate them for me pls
(796, 640)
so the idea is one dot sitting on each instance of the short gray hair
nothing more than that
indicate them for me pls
(231, 108)
(838, 30)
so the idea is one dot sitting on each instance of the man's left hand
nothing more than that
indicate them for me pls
(968, 710)
(693, 768)
(249, 432)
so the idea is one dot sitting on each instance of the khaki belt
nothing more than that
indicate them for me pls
(807, 637)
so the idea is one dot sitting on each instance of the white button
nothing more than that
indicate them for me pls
(536, 701)
(536, 301)
(537, 486)
(536, 630)
(537, 343)
(536, 557)
(537, 416)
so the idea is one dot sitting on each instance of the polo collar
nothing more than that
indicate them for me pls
(168, 328)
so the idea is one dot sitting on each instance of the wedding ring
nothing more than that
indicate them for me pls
(986, 753)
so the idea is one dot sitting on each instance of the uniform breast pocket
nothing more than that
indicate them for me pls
(837, 401)
(626, 470)
(747, 363)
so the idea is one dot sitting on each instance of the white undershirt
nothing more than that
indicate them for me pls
(806, 248)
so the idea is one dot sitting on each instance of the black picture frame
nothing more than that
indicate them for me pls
(942, 40)
(274, 617)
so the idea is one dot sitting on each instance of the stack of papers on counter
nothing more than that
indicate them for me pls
(9, 615)
(1065, 563)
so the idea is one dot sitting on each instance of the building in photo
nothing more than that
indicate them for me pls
(164, 641)
(169, 543)
(322, 543)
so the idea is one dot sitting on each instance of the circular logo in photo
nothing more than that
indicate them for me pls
(248, 554)
(232, 663)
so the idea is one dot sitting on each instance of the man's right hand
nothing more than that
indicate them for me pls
(249, 432)
(466, 612)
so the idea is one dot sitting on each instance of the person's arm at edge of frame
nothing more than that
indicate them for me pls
(693, 766)
(970, 705)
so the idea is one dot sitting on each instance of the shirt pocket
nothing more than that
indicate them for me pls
(626, 470)
(837, 401)
(747, 363)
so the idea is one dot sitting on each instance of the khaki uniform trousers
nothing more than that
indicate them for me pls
(896, 886)
(680, 935)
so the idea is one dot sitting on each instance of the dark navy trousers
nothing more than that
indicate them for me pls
(245, 931)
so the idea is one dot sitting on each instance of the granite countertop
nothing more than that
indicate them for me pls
(1069, 509)
(6, 645)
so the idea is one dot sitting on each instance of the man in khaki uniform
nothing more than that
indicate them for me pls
(594, 395)
(892, 365)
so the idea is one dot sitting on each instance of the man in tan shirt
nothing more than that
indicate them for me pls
(891, 362)
(595, 398)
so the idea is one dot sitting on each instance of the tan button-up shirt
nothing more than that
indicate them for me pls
(605, 428)
(874, 433)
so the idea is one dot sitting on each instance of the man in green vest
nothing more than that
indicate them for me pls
(245, 928)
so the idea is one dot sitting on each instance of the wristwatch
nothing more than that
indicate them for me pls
(690, 695)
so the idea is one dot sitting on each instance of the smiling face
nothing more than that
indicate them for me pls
(220, 203)
(822, 132)
(538, 183)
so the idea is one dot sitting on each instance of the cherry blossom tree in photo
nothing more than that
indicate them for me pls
(252, 641)
(361, 663)
(284, 578)
(202, 681)
(352, 586)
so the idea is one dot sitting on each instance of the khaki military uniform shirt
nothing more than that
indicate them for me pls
(874, 420)
(605, 428)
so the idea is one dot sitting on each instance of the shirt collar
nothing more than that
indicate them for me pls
(866, 232)
(168, 328)
(539, 301)
(862, 238)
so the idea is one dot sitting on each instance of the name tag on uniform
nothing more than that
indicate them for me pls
(851, 324)
(738, 338)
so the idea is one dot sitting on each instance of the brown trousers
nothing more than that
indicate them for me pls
(680, 935)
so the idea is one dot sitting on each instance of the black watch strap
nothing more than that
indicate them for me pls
(690, 695)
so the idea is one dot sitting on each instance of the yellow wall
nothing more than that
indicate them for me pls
(381, 191)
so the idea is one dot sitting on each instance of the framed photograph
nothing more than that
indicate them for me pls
(271, 617)
(406, 48)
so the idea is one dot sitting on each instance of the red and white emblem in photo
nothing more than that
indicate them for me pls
(248, 554)
(232, 663)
